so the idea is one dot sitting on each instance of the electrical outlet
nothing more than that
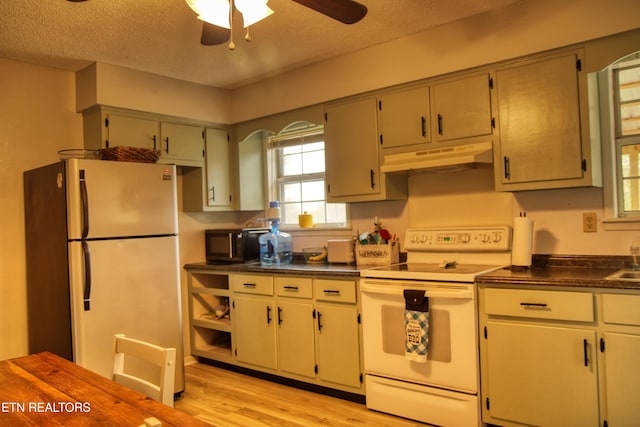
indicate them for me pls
(589, 224)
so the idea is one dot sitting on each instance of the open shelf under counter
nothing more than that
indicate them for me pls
(202, 279)
(223, 324)
(211, 343)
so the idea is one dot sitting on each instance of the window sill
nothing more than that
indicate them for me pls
(317, 230)
(611, 224)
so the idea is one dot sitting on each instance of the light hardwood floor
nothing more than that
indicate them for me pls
(224, 398)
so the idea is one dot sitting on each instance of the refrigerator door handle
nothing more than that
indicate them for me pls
(84, 199)
(87, 275)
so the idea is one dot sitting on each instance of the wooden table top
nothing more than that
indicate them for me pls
(45, 389)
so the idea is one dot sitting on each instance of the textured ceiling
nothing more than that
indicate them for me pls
(163, 36)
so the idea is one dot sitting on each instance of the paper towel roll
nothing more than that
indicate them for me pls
(522, 241)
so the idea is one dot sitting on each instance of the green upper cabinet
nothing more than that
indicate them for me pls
(209, 188)
(352, 155)
(462, 107)
(544, 125)
(131, 131)
(218, 161)
(182, 144)
(104, 127)
(404, 117)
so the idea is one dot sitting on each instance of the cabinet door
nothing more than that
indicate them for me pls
(337, 333)
(539, 122)
(540, 375)
(351, 153)
(462, 108)
(218, 185)
(404, 117)
(296, 347)
(622, 379)
(254, 335)
(129, 131)
(182, 144)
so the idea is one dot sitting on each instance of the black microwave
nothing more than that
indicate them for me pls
(233, 245)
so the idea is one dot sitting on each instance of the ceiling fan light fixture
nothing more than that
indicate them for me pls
(215, 12)
(253, 10)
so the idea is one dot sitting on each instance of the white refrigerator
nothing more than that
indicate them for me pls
(102, 259)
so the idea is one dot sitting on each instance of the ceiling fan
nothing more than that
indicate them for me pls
(345, 11)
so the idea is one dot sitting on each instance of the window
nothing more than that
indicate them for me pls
(619, 93)
(627, 90)
(296, 163)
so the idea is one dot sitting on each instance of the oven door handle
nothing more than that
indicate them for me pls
(431, 293)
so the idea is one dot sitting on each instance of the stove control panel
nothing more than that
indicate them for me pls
(479, 239)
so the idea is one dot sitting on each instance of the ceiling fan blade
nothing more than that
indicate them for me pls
(213, 35)
(345, 11)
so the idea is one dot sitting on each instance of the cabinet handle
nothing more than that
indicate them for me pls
(213, 193)
(507, 168)
(167, 145)
(423, 123)
(372, 174)
(249, 285)
(319, 321)
(533, 304)
(586, 353)
(268, 315)
(154, 143)
(440, 124)
(291, 288)
(331, 292)
(279, 315)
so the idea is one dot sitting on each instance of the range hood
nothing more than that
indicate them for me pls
(443, 158)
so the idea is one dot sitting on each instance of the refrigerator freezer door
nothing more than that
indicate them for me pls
(122, 199)
(134, 291)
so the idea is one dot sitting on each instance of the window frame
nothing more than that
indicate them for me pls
(298, 133)
(605, 85)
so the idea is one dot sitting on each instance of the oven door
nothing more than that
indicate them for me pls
(452, 356)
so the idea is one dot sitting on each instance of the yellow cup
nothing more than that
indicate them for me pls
(305, 220)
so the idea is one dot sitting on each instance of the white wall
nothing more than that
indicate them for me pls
(37, 112)
(115, 86)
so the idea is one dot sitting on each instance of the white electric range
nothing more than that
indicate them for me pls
(441, 265)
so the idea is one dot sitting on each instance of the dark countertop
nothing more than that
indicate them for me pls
(547, 270)
(296, 268)
(568, 271)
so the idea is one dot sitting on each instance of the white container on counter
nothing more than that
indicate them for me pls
(340, 251)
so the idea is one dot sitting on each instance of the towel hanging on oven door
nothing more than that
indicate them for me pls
(416, 321)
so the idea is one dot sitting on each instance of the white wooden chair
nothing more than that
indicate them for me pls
(164, 358)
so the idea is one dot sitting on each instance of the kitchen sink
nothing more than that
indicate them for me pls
(631, 275)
